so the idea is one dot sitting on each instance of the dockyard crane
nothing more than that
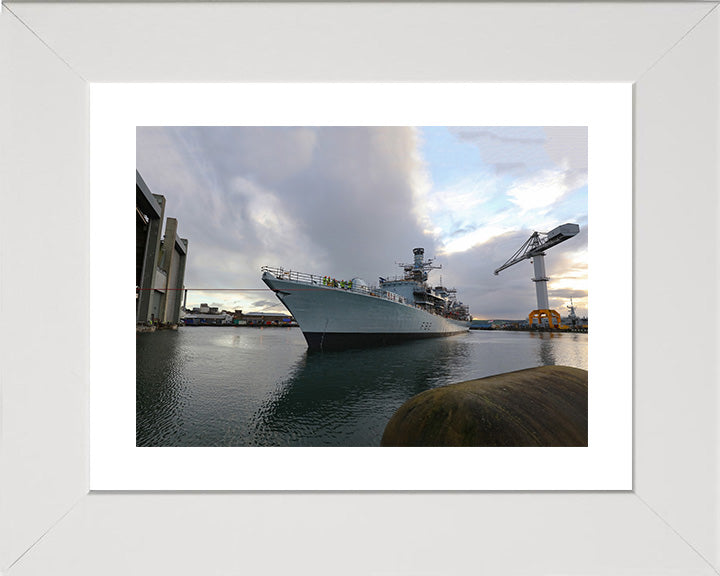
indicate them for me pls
(534, 248)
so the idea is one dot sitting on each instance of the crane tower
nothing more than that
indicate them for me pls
(534, 247)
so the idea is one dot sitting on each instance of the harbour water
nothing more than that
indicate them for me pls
(240, 386)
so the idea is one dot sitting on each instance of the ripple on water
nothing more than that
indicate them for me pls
(228, 386)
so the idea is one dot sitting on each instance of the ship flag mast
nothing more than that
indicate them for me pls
(418, 270)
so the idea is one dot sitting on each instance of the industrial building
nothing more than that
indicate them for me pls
(160, 260)
(205, 315)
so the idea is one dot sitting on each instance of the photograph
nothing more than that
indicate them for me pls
(310, 178)
(361, 286)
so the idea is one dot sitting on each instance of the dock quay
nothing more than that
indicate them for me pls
(580, 330)
(205, 315)
(569, 324)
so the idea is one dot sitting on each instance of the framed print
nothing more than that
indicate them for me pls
(116, 111)
(58, 57)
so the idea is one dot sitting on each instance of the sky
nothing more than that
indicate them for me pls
(354, 201)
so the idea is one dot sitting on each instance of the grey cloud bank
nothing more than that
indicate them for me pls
(331, 200)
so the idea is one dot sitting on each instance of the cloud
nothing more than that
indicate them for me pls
(352, 201)
(267, 155)
(467, 239)
(519, 150)
(511, 294)
(264, 305)
(513, 150)
(510, 134)
(510, 168)
(535, 182)
(323, 200)
(565, 294)
(456, 213)
(567, 146)
(539, 193)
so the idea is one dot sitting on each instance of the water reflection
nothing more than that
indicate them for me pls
(545, 347)
(566, 349)
(215, 386)
(160, 394)
(350, 395)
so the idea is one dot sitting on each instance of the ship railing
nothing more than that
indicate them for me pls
(315, 280)
(293, 275)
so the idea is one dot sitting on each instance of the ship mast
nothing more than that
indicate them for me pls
(572, 316)
(418, 270)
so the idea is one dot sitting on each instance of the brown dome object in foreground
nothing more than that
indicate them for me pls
(544, 406)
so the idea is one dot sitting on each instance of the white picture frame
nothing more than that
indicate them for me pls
(115, 461)
(668, 523)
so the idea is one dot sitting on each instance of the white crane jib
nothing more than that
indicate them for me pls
(534, 247)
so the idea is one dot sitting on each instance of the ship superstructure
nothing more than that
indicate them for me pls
(341, 314)
(413, 287)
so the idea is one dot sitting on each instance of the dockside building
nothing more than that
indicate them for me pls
(160, 260)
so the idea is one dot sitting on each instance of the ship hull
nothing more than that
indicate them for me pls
(346, 340)
(334, 318)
